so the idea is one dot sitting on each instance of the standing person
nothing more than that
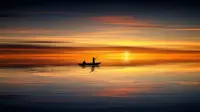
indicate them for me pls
(93, 60)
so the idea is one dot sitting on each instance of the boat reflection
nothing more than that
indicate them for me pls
(92, 67)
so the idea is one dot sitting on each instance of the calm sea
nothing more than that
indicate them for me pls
(156, 88)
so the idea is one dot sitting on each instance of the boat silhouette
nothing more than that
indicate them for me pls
(90, 64)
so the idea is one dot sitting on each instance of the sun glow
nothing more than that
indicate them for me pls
(126, 56)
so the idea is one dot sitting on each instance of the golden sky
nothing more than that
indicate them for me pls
(115, 40)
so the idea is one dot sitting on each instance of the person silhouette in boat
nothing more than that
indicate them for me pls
(93, 60)
(84, 62)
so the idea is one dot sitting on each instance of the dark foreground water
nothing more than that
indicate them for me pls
(155, 88)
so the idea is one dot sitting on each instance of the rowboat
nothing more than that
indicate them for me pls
(89, 64)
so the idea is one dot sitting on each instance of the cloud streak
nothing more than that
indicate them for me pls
(186, 83)
(44, 42)
(125, 21)
(136, 49)
(130, 21)
(186, 29)
(31, 31)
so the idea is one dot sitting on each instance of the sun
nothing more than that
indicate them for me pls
(126, 56)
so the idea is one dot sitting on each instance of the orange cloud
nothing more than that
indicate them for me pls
(126, 21)
(133, 22)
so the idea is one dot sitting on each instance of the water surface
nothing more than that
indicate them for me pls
(166, 87)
